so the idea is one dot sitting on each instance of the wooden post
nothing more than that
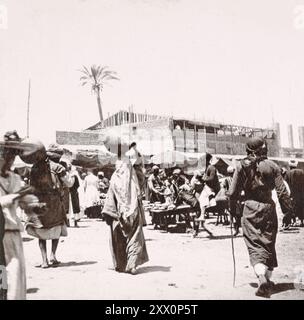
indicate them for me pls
(28, 110)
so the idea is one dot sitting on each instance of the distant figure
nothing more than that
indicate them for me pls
(155, 186)
(66, 190)
(235, 207)
(74, 196)
(103, 182)
(91, 193)
(211, 187)
(295, 180)
(81, 193)
(197, 183)
(178, 180)
(258, 176)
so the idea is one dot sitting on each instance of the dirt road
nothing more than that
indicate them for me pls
(180, 267)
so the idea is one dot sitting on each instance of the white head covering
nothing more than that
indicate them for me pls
(134, 156)
(230, 169)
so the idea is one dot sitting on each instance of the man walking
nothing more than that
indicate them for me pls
(258, 176)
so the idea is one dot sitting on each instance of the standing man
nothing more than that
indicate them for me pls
(295, 180)
(48, 178)
(211, 187)
(258, 176)
(74, 196)
(155, 185)
(103, 182)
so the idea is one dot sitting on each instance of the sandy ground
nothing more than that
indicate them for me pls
(180, 267)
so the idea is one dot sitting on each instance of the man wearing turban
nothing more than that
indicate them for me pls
(257, 176)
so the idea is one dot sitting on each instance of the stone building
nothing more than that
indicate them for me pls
(155, 134)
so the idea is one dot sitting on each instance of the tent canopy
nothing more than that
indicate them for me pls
(89, 156)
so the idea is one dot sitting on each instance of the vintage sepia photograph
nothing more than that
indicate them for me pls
(152, 150)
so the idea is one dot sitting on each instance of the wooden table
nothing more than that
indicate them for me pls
(163, 218)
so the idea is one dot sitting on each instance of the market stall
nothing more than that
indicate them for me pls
(163, 218)
(187, 161)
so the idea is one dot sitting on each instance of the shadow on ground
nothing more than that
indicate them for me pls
(282, 287)
(154, 269)
(278, 287)
(74, 263)
(32, 290)
(225, 237)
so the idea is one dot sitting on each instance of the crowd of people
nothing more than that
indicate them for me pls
(55, 196)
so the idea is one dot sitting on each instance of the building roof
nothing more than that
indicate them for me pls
(125, 117)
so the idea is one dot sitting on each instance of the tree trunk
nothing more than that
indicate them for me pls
(99, 107)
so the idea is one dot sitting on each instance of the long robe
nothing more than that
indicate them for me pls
(124, 212)
(259, 221)
(12, 241)
(295, 180)
(48, 178)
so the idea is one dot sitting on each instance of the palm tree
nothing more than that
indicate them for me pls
(97, 77)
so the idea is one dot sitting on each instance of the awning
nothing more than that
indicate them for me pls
(90, 155)
(171, 159)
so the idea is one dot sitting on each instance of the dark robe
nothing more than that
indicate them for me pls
(154, 185)
(45, 178)
(75, 195)
(211, 179)
(259, 221)
(295, 180)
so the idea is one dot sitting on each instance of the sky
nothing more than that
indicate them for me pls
(236, 61)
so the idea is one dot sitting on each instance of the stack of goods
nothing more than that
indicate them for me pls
(162, 206)
(147, 205)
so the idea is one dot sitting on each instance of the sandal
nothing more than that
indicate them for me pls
(43, 266)
(132, 271)
(54, 263)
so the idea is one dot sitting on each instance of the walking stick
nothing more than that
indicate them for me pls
(232, 248)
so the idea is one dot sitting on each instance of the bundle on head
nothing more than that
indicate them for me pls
(34, 151)
(11, 143)
(256, 146)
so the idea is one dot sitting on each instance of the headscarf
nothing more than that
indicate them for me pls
(11, 143)
(230, 169)
(125, 186)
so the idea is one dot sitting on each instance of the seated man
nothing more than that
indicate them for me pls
(177, 181)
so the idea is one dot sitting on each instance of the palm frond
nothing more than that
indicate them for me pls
(85, 70)
(112, 78)
(109, 75)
